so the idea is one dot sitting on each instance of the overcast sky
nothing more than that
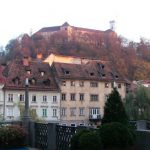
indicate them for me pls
(23, 16)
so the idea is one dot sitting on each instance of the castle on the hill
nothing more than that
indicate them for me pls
(71, 33)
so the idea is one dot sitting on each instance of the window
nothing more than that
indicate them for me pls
(67, 72)
(81, 83)
(10, 112)
(72, 83)
(21, 97)
(94, 111)
(42, 73)
(81, 111)
(106, 85)
(44, 112)
(73, 111)
(54, 112)
(63, 111)
(93, 84)
(73, 124)
(28, 71)
(81, 124)
(63, 83)
(94, 97)
(92, 74)
(72, 97)
(63, 96)
(54, 99)
(81, 96)
(119, 85)
(10, 97)
(33, 98)
(44, 98)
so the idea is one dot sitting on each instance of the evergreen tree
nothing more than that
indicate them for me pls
(114, 110)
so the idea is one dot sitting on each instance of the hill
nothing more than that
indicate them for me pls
(131, 59)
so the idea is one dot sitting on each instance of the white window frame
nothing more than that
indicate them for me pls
(54, 99)
(73, 111)
(10, 97)
(45, 98)
(54, 112)
(44, 112)
(81, 111)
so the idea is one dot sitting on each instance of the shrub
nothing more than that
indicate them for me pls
(86, 140)
(116, 135)
(12, 136)
(90, 141)
(75, 139)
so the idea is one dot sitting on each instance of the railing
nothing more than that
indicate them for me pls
(41, 134)
(63, 136)
(95, 117)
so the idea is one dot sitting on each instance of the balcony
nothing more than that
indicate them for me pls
(95, 117)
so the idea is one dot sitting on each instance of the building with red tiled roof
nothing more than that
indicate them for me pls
(84, 90)
(44, 94)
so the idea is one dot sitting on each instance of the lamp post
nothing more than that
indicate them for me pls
(26, 111)
(26, 116)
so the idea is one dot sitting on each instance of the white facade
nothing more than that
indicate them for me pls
(45, 104)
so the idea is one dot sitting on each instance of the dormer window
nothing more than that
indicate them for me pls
(116, 76)
(32, 81)
(92, 74)
(103, 75)
(47, 82)
(67, 72)
(102, 66)
(16, 80)
(28, 71)
(42, 73)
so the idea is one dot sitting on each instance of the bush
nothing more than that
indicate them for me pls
(12, 136)
(90, 141)
(116, 135)
(86, 140)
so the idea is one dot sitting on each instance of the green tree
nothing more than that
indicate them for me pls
(137, 104)
(114, 110)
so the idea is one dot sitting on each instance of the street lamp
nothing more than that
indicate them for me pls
(26, 117)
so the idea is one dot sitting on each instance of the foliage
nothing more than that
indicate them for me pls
(131, 59)
(32, 112)
(116, 135)
(86, 140)
(12, 136)
(90, 141)
(114, 110)
(137, 104)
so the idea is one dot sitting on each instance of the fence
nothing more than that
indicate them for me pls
(51, 136)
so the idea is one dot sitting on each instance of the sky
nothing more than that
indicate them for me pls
(132, 17)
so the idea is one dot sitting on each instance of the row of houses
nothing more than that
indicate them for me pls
(64, 89)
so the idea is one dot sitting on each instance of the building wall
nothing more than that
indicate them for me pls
(12, 108)
(101, 91)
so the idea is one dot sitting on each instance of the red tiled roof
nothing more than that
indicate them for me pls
(94, 70)
(16, 73)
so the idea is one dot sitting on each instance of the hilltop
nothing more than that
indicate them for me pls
(131, 59)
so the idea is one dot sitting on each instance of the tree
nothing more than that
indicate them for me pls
(137, 104)
(114, 110)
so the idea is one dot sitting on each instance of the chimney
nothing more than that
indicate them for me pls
(26, 61)
(39, 56)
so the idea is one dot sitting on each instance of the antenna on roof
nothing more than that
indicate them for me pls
(112, 24)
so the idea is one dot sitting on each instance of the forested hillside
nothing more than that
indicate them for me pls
(130, 58)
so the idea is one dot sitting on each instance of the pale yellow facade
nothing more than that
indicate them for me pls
(86, 104)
